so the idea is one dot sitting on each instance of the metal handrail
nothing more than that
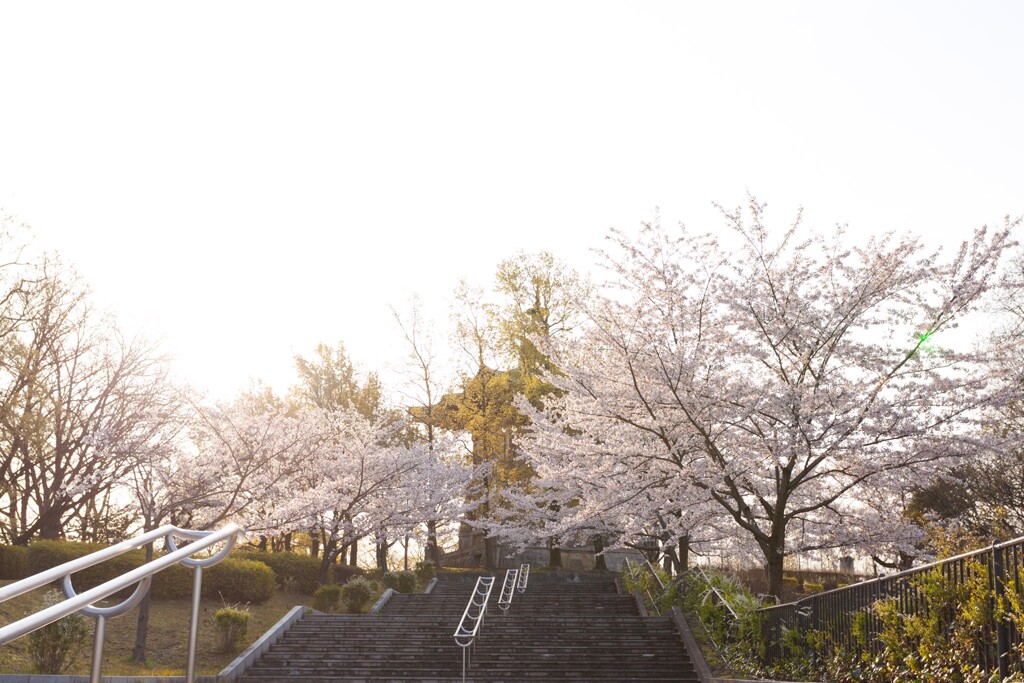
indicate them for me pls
(649, 568)
(524, 577)
(718, 593)
(508, 589)
(84, 602)
(465, 634)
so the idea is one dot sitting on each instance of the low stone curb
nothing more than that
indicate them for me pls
(244, 661)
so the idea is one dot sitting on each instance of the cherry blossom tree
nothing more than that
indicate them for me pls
(779, 380)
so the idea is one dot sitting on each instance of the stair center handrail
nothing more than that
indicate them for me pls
(472, 618)
(508, 589)
(85, 602)
(524, 577)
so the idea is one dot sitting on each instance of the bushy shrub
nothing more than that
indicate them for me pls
(13, 562)
(425, 571)
(54, 648)
(293, 571)
(231, 625)
(343, 572)
(239, 581)
(403, 582)
(43, 555)
(173, 583)
(236, 580)
(356, 593)
(327, 598)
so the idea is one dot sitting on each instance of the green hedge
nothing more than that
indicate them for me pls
(343, 572)
(235, 580)
(239, 581)
(13, 562)
(294, 572)
(403, 582)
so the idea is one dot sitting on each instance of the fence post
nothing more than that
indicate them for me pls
(1002, 632)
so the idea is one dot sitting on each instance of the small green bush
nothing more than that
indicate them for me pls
(13, 562)
(173, 583)
(327, 598)
(293, 571)
(356, 593)
(54, 648)
(239, 581)
(403, 582)
(231, 625)
(425, 571)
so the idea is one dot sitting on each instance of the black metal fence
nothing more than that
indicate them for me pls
(845, 618)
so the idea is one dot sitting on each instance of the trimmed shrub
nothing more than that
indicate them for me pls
(356, 593)
(327, 598)
(295, 572)
(425, 571)
(43, 555)
(231, 625)
(239, 581)
(13, 562)
(403, 582)
(54, 648)
(343, 572)
(173, 583)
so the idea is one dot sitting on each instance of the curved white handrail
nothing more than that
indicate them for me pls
(508, 589)
(84, 602)
(524, 577)
(472, 618)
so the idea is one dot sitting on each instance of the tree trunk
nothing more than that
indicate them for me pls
(288, 542)
(314, 543)
(683, 554)
(554, 553)
(774, 556)
(599, 561)
(354, 557)
(323, 576)
(490, 552)
(382, 555)
(142, 623)
(432, 551)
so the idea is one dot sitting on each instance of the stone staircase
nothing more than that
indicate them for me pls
(565, 627)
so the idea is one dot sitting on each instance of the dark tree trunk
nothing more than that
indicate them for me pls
(490, 552)
(432, 553)
(142, 623)
(599, 561)
(354, 556)
(773, 568)
(684, 554)
(554, 553)
(262, 547)
(329, 553)
(288, 542)
(382, 556)
(314, 542)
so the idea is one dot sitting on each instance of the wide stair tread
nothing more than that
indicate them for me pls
(565, 627)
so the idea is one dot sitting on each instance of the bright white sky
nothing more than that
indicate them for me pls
(244, 180)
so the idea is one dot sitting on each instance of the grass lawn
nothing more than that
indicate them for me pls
(168, 636)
